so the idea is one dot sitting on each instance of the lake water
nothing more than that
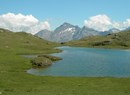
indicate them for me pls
(88, 62)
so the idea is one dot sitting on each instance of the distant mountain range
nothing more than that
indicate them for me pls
(67, 32)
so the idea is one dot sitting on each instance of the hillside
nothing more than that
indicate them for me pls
(114, 40)
(21, 42)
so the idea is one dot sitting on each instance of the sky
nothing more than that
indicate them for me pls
(52, 13)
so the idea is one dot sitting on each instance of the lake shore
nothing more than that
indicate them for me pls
(78, 62)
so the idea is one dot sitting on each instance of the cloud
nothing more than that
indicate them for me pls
(122, 25)
(104, 23)
(20, 22)
(30, 24)
(99, 22)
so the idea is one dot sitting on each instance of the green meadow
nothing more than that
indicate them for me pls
(15, 81)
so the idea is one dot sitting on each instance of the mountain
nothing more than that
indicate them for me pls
(68, 32)
(44, 34)
(65, 32)
(85, 32)
(113, 30)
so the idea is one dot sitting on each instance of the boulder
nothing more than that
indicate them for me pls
(41, 62)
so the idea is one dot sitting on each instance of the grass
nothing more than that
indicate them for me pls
(15, 81)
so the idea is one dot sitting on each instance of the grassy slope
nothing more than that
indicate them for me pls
(15, 81)
(118, 40)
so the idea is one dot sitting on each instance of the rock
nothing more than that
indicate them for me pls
(41, 62)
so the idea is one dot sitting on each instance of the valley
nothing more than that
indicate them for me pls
(14, 79)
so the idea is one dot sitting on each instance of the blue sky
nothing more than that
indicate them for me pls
(72, 11)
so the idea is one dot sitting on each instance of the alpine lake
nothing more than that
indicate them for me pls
(88, 62)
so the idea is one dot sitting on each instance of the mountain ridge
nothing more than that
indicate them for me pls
(68, 32)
